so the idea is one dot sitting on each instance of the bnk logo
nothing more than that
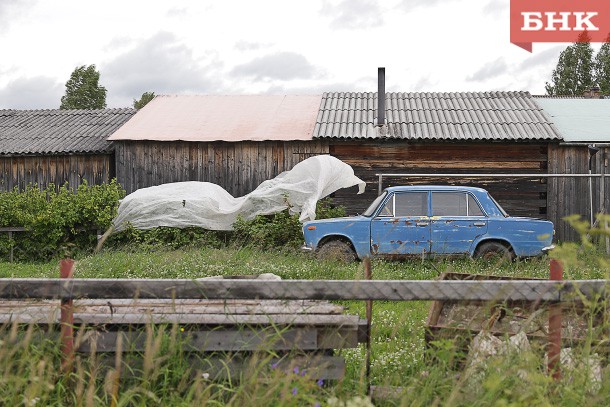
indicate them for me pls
(558, 21)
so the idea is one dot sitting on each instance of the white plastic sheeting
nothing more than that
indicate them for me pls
(207, 205)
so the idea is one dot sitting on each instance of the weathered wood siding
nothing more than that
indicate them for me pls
(569, 195)
(19, 171)
(237, 167)
(518, 196)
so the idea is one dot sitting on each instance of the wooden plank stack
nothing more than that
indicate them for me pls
(219, 335)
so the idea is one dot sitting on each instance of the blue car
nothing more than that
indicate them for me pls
(429, 221)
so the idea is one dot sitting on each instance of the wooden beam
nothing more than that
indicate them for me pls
(391, 290)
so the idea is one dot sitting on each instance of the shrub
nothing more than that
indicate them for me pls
(58, 219)
(281, 229)
(169, 237)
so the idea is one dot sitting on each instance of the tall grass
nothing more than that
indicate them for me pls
(425, 374)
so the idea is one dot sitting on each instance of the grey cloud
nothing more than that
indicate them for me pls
(39, 92)
(545, 57)
(178, 12)
(489, 70)
(410, 5)
(281, 65)
(318, 88)
(353, 14)
(424, 84)
(160, 64)
(495, 7)
(249, 46)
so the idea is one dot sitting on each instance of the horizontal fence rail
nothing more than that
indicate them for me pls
(389, 290)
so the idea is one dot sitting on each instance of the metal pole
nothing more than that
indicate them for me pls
(554, 347)
(602, 197)
(380, 96)
(455, 175)
(380, 189)
(591, 197)
(66, 270)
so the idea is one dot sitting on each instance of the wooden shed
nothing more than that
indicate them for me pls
(57, 146)
(240, 141)
(584, 124)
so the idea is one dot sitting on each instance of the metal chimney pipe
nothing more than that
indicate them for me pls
(380, 96)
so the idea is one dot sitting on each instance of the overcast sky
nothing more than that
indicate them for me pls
(262, 47)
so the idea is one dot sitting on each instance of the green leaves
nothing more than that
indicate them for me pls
(574, 72)
(57, 218)
(144, 99)
(602, 67)
(83, 90)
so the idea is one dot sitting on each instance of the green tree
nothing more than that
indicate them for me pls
(144, 99)
(83, 90)
(574, 72)
(602, 67)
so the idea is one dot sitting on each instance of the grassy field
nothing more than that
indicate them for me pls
(399, 356)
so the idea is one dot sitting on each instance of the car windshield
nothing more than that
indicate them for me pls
(371, 209)
(506, 215)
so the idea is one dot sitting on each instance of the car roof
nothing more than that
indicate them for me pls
(403, 188)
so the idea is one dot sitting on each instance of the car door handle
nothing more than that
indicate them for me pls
(422, 223)
(479, 223)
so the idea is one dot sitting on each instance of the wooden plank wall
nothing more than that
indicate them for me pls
(19, 171)
(519, 197)
(568, 196)
(237, 167)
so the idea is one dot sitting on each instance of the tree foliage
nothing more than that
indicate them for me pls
(602, 67)
(83, 90)
(574, 72)
(144, 99)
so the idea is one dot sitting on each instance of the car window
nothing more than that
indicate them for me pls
(454, 204)
(406, 204)
(371, 209)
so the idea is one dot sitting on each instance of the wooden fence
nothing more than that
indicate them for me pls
(386, 290)
(102, 298)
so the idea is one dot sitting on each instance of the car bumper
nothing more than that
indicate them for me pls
(548, 248)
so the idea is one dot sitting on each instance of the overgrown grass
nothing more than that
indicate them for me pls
(427, 376)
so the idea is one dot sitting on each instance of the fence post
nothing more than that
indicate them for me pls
(368, 275)
(66, 270)
(554, 346)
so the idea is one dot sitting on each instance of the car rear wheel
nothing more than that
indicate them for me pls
(337, 250)
(494, 250)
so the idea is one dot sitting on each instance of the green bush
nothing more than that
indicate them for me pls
(57, 219)
(281, 229)
(173, 238)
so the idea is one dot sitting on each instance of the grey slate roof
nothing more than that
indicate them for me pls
(59, 131)
(489, 116)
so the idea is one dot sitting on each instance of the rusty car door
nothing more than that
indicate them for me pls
(402, 225)
(457, 221)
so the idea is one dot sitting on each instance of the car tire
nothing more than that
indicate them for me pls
(337, 250)
(494, 250)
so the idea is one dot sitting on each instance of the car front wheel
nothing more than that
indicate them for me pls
(337, 250)
(494, 250)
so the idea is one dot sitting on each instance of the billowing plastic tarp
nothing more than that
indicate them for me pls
(207, 205)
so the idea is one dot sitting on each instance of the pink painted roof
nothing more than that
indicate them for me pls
(223, 118)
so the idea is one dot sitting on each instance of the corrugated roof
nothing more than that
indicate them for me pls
(226, 118)
(59, 131)
(497, 116)
(578, 119)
